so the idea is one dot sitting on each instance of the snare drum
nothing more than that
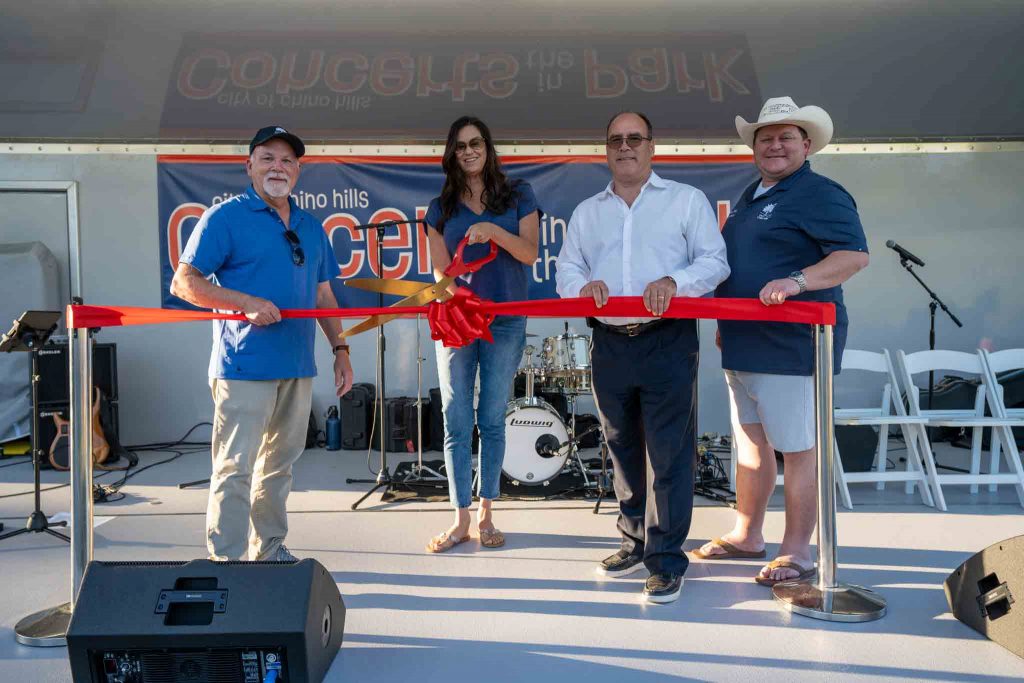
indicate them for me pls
(533, 434)
(565, 355)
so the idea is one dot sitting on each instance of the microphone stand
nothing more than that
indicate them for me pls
(383, 479)
(936, 302)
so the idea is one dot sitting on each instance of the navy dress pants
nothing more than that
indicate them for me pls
(645, 390)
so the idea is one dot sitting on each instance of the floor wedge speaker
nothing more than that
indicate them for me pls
(207, 622)
(987, 593)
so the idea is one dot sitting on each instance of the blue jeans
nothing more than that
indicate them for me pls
(456, 371)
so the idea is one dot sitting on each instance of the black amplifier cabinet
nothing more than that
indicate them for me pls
(214, 622)
(53, 372)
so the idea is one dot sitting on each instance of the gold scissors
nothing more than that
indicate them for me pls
(416, 293)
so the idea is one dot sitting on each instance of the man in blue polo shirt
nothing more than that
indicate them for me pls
(793, 235)
(258, 253)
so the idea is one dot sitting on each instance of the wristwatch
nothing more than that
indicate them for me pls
(797, 276)
(340, 347)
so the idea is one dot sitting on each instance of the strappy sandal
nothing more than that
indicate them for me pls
(491, 538)
(444, 542)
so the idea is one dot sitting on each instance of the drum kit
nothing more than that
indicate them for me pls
(539, 445)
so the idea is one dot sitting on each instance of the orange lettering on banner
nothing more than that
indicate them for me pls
(650, 69)
(723, 212)
(188, 88)
(395, 80)
(287, 81)
(399, 237)
(594, 72)
(347, 223)
(334, 81)
(422, 247)
(264, 61)
(175, 224)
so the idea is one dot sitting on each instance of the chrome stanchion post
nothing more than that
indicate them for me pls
(81, 458)
(48, 628)
(824, 597)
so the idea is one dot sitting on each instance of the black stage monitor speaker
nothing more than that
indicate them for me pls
(987, 593)
(53, 372)
(205, 622)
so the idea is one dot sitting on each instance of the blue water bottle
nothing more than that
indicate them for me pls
(333, 429)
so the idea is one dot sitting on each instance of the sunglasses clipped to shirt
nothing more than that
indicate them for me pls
(634, 140)
(298, 256)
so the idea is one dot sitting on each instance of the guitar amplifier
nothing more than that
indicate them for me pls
(53, 372)
(435, 414)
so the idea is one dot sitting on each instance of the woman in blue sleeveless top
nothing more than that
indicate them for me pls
(478, 200)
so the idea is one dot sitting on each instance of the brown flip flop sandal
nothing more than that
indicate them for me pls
(731, 552)
(804, 572)
(491, 538)
(444, 542)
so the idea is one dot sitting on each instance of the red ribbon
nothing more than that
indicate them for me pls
(805, 312)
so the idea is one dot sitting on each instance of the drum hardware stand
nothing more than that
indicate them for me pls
(30, 331)
(383, 480)
(602, 481)
(418, 469)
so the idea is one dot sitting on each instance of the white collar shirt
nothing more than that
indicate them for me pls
(670, 229)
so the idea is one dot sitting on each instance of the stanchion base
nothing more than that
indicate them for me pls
(47, 628)
(844, 602)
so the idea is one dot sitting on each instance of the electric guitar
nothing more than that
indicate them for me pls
(60, 449)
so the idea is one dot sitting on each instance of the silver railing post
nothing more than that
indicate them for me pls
(80, 372)
(824, 597)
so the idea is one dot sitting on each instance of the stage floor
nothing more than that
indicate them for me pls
(535, 610)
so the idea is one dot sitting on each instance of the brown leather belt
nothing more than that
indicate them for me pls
(632, 330)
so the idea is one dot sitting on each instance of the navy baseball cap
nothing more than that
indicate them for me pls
(271, 132)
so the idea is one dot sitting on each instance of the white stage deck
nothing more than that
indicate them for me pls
(535, 610)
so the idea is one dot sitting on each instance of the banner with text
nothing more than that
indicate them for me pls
(346, 192)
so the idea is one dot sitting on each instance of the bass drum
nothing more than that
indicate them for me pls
(533, 434)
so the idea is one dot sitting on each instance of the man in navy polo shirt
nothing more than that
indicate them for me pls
(259, 253)
(793, 235)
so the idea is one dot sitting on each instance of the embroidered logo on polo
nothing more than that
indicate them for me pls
(766, 212)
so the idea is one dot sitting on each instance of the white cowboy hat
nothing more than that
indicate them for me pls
(779, 110)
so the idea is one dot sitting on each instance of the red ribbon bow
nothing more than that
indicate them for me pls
(461, 320)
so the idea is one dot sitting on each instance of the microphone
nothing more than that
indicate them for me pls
(904, 253)
(389, 224)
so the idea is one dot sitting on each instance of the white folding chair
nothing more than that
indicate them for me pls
(994, 363)
(891, 411)
(974, 418)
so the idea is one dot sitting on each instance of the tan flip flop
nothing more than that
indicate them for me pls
(804, 572)
(491, 538)
(444, 542)
(731, 552)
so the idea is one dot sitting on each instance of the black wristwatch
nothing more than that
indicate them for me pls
(797, 276)
(341, 347)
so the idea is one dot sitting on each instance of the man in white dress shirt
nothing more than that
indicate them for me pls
(659, 238)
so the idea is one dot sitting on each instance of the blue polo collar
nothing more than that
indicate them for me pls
(782, 185)
(256, 203)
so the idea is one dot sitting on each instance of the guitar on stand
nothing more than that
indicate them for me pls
(60, 451)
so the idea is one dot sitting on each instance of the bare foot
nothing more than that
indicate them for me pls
(786, 573)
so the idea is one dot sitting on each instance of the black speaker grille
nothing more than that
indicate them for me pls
(191, 667)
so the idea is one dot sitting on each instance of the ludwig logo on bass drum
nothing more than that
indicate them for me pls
(531, 423)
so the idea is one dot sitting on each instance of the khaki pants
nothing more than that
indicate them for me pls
(259, 431)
